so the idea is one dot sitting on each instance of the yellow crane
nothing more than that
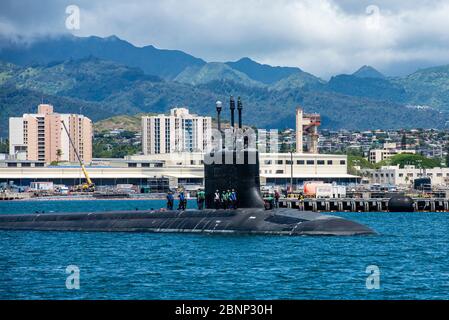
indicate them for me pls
(89, 185)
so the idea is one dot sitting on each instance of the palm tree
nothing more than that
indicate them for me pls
(59, 153)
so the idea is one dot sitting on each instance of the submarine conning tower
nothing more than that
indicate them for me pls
(233, 163)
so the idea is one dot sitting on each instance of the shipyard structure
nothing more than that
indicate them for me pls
(175, 169)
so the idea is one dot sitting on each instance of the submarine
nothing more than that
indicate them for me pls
(401, 203)
(225, 168)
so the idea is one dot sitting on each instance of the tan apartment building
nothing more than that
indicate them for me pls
(389, 150)
(41, 136)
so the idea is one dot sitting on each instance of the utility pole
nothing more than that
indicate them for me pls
(291, 168)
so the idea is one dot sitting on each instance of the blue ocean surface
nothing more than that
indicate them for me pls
(410, 251)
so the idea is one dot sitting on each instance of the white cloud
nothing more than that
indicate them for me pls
(324, 37)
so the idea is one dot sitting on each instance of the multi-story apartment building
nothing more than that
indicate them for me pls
(41, 136)
(178, 132)
(388, 151)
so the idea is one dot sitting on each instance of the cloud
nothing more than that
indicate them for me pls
(324, 37)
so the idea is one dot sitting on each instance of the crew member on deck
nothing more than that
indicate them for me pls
(217, 199)
(233, 199)
(170, 200)
(224, 199)
(276, 198)
(182, 201)
(228, 198)
(201, 196)
(269, 202)
(301, 201)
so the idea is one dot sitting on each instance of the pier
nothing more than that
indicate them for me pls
(4, 196)
(361, 205)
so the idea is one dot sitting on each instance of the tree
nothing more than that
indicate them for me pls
(417, 160)
(4, 146)
(357, 152)
(59, 153)
(358, 161)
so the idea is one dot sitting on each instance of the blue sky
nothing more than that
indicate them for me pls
(324, 37)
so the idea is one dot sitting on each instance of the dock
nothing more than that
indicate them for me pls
(361, 205)
(6, 196)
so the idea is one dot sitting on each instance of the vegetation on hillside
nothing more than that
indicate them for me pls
(4, 146)
(131, 123)
(416, 160)
(358, 161)
(117, 146)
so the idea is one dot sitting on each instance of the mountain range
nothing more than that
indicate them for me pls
(103, 77)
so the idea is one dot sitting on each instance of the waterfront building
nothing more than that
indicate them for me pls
(178, 132)
(41, 137)
(394, 175)
(187, 169)
(276, 169)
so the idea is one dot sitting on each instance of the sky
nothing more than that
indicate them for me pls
(323, 37)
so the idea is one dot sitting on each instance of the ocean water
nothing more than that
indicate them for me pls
(411, 252)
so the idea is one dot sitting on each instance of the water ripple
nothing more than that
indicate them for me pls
(410, 250)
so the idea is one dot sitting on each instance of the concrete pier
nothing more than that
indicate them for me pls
(6, 196)
(361, 205)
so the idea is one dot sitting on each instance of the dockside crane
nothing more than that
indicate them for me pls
(89, 186)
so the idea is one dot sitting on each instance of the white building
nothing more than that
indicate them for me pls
(394, 175)
(275, 168)
(178, 132)
(389, 150)
(181, 169)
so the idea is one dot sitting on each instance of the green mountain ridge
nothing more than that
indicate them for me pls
(425, 87)
(428, 86)
(160, 62)
(214, 71)
(103, 87)
(299, 80)
(263, 73)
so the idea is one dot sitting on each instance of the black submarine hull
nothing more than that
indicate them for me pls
(401, 204)
(239, 221)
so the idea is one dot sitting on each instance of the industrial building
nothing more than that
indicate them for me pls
(187, 169)
(40, 136)
(395, 175)
(307, 131)
(178, 132)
